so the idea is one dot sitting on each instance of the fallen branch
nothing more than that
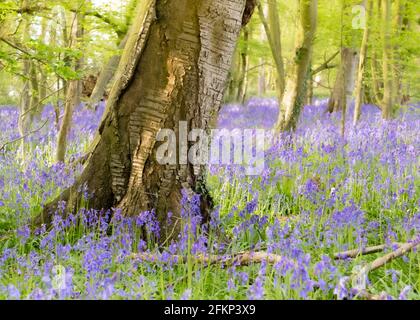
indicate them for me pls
(369, 296)
(360, 252)
(241, 259)
(359, 279)
(402, 250)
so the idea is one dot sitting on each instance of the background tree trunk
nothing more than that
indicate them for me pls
(274, 26)
(262, 79)
(345, 80)
(35, 99)
(310, 90)
(106, 75)
(24, 122)
(53, 37)
(377, 83)
(398, 28)
(43, 75)
(184, 82)
(362, 63)
(232, 89)
(388, 99)
(375, 67)
(65, 42)
(243, 78)
(294, 95)
(273, 33)
(72, 93)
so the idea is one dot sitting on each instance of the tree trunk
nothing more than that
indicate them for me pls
(344, 83)
(43, 75)
(310, 90)
(295, 92)
(35, 99)
(106, 75)
(376, 84)
(398, 26)
(24, 122)
(388, 99)
(53, 42)
(243, 78)
(72, 94)
(25, 102)
(273, 33)
(262, 79)
(174, 68)
(362, 63)
(274, 26)
(65, 43)
(232, 89)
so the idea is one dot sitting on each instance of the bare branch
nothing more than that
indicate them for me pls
(119, 28)
(24, 136)
(41, 101)
(326, 65)
(21, 48)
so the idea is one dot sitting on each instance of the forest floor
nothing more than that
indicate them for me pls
(319, 194)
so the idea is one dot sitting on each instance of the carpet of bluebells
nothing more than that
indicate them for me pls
(319, 194)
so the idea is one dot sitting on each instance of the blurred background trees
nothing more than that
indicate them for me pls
(66, 52)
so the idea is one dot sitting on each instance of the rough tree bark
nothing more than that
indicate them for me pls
(295, 92)
(362, 63)
(174, 68)
(345, 80)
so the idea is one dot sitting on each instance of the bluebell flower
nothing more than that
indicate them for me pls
(405, 292)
